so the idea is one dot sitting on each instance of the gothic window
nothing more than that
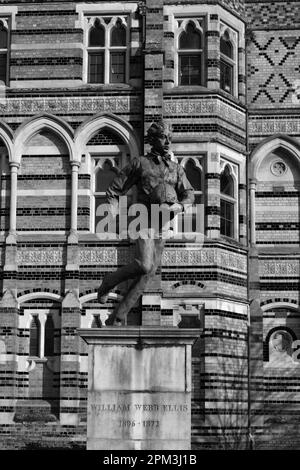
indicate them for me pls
(228, 203)
(118, 53)
(34, 337)
(194, 175)
(191, 221)
(190, 56)
(96, 53)
(227, 64)
(107, 46)
(105, 172)
(3, 53)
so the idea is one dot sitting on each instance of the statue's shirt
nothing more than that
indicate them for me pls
(158, 180)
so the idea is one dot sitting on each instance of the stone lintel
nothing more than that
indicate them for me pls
(134, 335)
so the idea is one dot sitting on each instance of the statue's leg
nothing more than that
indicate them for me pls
(150, 252)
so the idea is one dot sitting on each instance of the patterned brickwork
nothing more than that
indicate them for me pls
(272, 71)
(274, 15)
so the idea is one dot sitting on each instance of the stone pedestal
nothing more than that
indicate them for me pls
(139, 388)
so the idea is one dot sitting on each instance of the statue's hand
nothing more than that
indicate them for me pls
(176, 208)
(114, 209)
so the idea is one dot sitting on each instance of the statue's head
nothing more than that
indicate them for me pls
(159, 136)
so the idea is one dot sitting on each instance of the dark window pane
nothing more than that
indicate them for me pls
(226, 47)
(227, 218)
(3, 37)
(97, 36)
(34, 336)
(226, 77)
(49, 337)
(118, 35)
(117, 67)
(104, 177)
(3, 67)
(194, 175)
(190, 69)
(96, 67)
(227, 183)
(190, 39)
(96, 322)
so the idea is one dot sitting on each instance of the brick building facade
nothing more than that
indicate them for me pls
(81, 83)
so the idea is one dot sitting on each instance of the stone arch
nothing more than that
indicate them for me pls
(87, 297)
(6, 135)
(188, 283)
(289, 304)
(37, 294)
(92, 125)
(41, 122)
(268, 146)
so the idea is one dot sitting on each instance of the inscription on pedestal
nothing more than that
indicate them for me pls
(139, 397)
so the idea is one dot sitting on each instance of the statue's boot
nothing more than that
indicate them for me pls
(111, 280)
(130, 299)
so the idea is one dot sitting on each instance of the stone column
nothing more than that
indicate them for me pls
(139, 388)
(243, 213)
(42, 336)
(252, 212)
(74, 202)
(11, 239)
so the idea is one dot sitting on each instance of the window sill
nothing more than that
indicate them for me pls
(108, 86)
(187, 89)
(37, 359)
(202, 90)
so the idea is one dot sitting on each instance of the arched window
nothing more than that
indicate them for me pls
(227, 183)
(190, 56)
(118, 53)
(191, 221)
(227, 65)
(3, 53)
(104, 175)
(118, 35)
(96, 53)
(49, 336)
(194, 175)
(228, 203)
(34, 337)
(107, 46)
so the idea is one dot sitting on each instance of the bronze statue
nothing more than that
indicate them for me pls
(160, 181)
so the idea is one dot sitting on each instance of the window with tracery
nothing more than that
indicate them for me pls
(190, 55)
(3, 53)
(107, 51)
(227, 63)
(228, 203)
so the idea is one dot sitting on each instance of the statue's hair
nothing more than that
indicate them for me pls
(158, 129)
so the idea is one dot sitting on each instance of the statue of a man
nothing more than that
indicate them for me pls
(160, 181)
